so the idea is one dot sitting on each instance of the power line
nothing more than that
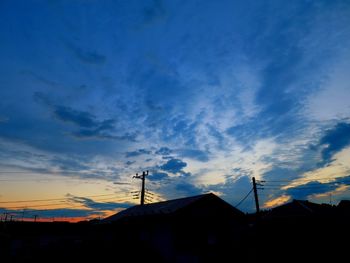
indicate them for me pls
(142, 178)
(303, 179)
(68, 173)
(60, 179)
(43, 210)
(57, 172)
(45, 200)
(54, 204)
(307, 182)
(310, 184)
(301, 187)
(113, 198)
(316, 184)
(62, 203)
(244, 198)
(23, 207)
(152, 193)
(56, 199)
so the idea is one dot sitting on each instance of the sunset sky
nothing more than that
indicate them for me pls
(203, 94)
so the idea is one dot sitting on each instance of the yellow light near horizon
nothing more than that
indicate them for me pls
(339, 190)
(40, 188)
(277, 201)
(340, 167)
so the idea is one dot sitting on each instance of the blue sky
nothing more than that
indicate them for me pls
(204, 94)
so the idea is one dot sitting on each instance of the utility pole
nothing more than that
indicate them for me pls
(142, 177)
(6, 214)
(256, 197)
(23, 211)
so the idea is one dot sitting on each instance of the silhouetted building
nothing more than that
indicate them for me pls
(200, 207)
(301, 229)
(344, 208)
(183, 229)
(299, 208)
(344, 204)
(201, 228)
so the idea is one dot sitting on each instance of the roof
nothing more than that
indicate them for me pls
(165, 208)
(344, 204)
(344, 207)
(299, 208)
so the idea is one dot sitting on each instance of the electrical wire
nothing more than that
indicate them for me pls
(240, 202)
(55, 199)
(302, 179)
(302, 187)
(63, 203)
(55, 172)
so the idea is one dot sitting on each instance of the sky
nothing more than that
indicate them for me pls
(203, 94)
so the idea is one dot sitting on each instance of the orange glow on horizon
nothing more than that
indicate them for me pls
(16, 215)
(277, 201)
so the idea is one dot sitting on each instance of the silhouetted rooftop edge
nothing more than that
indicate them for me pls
(166, 207)
(298, 208)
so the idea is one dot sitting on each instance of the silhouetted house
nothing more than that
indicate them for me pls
(198, 207)
(302, 229)
(182, 229)
(344, 207)
(344, 204)
(299, 208)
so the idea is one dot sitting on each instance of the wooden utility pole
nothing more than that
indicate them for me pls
(6, 214)
(142, 177)
(23, 211)
(256, 196)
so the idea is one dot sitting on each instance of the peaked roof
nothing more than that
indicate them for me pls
(298, 208)
(344, 204)
(166, 207)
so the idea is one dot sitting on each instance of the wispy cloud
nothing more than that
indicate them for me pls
(87, 56)
(97, 206)
(179, 89)
(80, 118)
(137, 153)
(341, 189)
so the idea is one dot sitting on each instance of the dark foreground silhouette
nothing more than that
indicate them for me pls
(196, 229)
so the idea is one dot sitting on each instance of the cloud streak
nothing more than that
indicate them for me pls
(202, 96)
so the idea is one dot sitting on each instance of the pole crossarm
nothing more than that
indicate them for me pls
(142, 177)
